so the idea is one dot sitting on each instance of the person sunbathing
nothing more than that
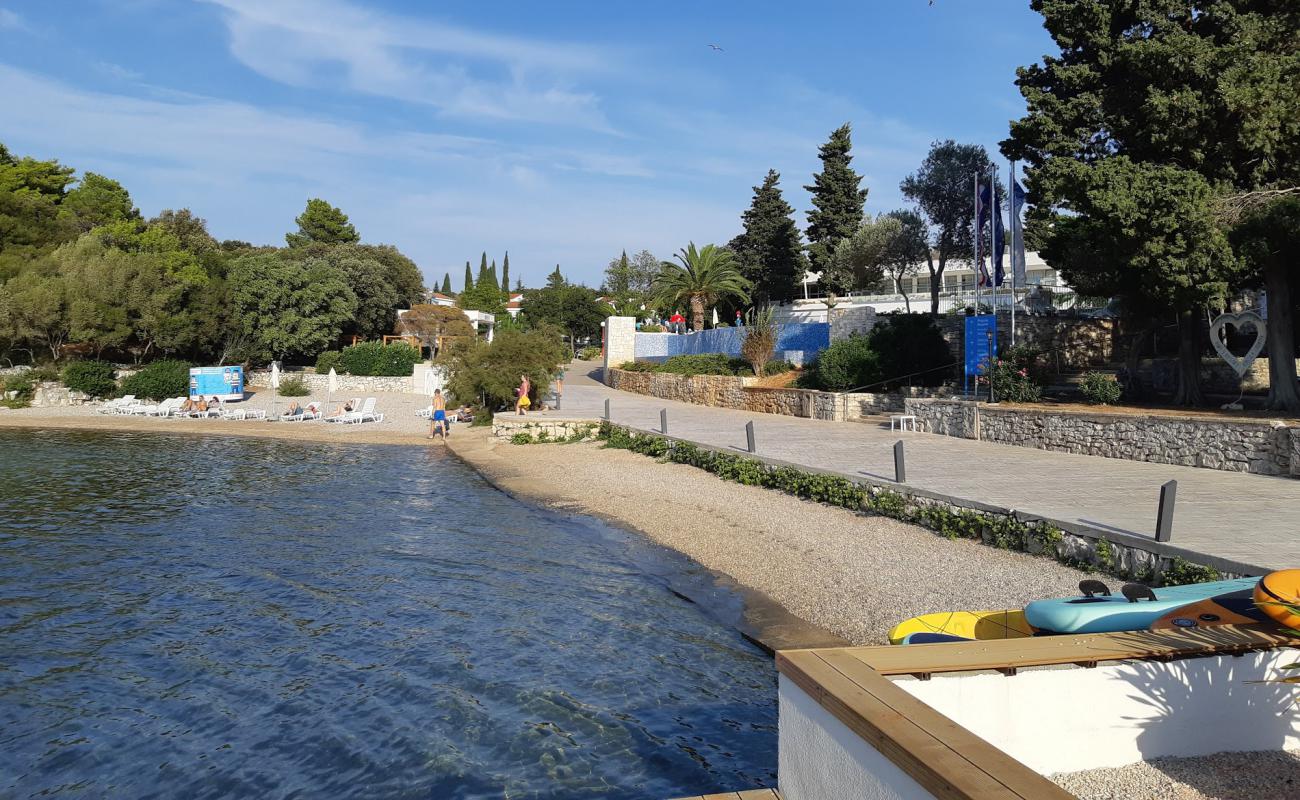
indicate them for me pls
(189, 405)
(294, 410)
(346, 408)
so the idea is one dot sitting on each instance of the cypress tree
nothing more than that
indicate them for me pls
(555, 279)
(469, 279)
(482, 271)
(492, 276)
(505, 273)
(446, 283)
(770, 251)
(837, 201)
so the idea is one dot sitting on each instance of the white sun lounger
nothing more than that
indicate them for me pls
(312, 411)
(366, 414)
(117, 406)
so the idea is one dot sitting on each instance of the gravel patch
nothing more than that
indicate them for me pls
(854, 575)
(1269, 775)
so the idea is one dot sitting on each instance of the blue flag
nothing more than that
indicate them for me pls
(987, 206)
(981, 203)
(1017, 234)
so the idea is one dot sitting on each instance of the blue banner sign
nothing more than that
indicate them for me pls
(226, 383)
(981, 344)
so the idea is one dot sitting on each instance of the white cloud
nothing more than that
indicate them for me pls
(320, 42)
(9, 20)
(117, 71)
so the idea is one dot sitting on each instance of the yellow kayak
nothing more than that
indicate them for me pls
(960, 626)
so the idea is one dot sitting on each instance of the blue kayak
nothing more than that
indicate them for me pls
(1217, 602)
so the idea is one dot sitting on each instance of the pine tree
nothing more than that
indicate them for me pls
(519, 284)
(505, 273)
(446, 283)
(837, 200)
(469, 279)
(555, 279)
(770, 251)
(322, 223)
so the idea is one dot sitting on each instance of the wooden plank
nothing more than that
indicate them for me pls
(748, 794)
(934, 765)
(1006, 654)
(1018, 778)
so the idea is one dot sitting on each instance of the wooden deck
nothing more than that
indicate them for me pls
(752, 794)
(946, 758)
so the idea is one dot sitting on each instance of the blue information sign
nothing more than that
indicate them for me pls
(981, 344)
(226, 383)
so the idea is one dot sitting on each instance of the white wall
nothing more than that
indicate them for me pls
(821, 758)
(620, 340)
(1065, 719)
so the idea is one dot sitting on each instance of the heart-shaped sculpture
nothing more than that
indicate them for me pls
(1240, 364)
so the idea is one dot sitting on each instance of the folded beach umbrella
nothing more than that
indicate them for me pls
(331, 386)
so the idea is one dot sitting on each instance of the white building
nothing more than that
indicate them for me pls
(1043, 284)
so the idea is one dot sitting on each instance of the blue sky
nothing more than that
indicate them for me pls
(563, 132)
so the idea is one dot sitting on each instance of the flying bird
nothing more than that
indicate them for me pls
(719, 49)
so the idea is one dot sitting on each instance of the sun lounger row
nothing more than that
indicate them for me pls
(174, 407)
(366, 413)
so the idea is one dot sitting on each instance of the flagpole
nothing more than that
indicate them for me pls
(975, 226)
(1015, 222)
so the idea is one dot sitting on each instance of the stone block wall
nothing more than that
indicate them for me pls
(52, 393)
(724, 391)
(1261, 447)
(545, 429)
(319, 384)
(862, 404)
(846, 322)
(1075, 343)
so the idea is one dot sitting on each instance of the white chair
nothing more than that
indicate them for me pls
(366, 414)
(118, 405)
(355, 404)
(902, 421)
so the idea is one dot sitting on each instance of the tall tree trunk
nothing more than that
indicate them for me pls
(697, 313)
(1134, 390)
(936, 280)
(1189, 360)
(1283, 390)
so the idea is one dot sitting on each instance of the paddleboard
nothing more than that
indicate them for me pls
(1110, 613)
(961, 626)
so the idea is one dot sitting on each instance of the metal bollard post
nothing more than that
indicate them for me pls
(900, 470)
(607, 409)
(1165, 514)
(558, 397)
(663, 421)
(749, 436)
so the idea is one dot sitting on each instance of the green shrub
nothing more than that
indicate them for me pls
(328, 360)
(652, 329)
(95, 378)
(705, 364)
(293, 387)
(846, 364)
(44, 373)
(1100, 388)
(639, 366)
(590, 353)
(1014, 376)
(777, 367)
(160, 380)
(910, 343)
(377, 358)
(24, 386)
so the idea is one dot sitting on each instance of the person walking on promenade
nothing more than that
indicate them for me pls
(438, 420)
(522, 402)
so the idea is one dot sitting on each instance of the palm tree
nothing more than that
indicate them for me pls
(704, 277)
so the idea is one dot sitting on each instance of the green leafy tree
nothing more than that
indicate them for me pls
(858, 261)
(322, 223)
(435, 325)
(907, 250)
(287, 307)
(837, 199)
(96, 201)
(943, 189)
(1209, 87)
(377, 300)
(37, 310)
(400, 271)
(446, 284)
(1268, 238)
(703, 277)
(555, 280)
(573, 309)
(618, 276)
(770, 250)
(486, 374)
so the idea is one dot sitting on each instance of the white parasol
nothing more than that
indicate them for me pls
(275, 384)
(331, 386)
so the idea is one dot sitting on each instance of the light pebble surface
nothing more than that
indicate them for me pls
(854, 575)
(1269, 775)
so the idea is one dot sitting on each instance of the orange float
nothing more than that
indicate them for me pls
(1278, 595)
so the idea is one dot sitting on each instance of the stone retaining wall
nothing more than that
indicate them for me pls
(1263, 447)
(542, 429)
(1074, 343)
(53, 393)
(318, 384)
(725, 391)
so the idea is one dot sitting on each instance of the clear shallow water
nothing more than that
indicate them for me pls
(213, 617)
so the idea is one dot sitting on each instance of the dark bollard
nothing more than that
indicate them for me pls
(749, 436)
(558, 398)
(900, 470)
(663, 421)
(1165, 515)
(607, 409)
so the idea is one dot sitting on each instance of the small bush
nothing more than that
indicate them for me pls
(652, 329)
(160, 380)
(44, 373)
(1015, 376)
(846, 364)
(706, 364)
(375, 358)
(95, 378)
(328, 360)
(1100, 388)
(722, 325)
(24, 387)
(639, 366)
(778, 367)
(293, 387)
(589, 353)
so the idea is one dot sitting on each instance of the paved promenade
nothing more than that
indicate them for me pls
(1247, 519)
